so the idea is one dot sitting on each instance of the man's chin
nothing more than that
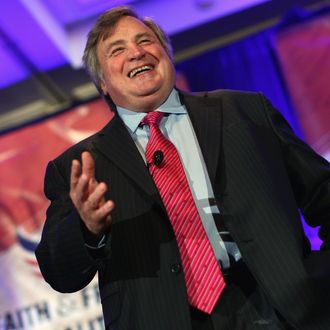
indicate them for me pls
(151, 93)
(150, 100)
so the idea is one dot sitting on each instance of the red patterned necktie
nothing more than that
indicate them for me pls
(203, 277)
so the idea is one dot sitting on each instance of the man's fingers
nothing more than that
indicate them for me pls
(92, 184)
(88, 195)
(75, 173)
(97, 196)
(104, 212)
(81, 189)
(88, 167)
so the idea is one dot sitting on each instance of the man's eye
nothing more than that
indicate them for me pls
(145, 41)
(116, 51)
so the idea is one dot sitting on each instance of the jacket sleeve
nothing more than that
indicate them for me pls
(64, 260)
(309, 174)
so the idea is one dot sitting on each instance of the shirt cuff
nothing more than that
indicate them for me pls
(99, 245)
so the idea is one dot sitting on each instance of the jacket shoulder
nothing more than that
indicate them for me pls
(228, 95)
(234, 104)
(225, 97)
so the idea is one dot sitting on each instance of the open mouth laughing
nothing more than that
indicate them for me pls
(137, 71)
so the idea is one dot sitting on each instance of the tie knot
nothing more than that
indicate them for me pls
(152, 118)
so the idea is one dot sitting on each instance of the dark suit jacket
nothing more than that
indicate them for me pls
(261, 175)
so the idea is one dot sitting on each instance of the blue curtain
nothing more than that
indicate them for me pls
(249, 64)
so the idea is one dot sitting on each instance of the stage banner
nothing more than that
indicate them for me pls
(303, 53)
(27, 302)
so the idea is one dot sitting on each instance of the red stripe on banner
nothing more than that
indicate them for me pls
(31, 262)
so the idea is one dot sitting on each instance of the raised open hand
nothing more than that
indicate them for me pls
(88, 195)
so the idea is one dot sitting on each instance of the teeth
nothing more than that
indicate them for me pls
(138, 70)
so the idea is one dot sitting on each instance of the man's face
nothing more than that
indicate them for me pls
(137, 72)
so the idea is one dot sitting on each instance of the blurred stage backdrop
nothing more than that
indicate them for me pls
(289, 63)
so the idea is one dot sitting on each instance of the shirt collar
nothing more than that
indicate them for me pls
(171, 105)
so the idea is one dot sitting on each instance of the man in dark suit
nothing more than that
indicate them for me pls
(248, 175)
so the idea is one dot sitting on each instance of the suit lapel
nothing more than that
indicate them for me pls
(206, 117)
(117, 145)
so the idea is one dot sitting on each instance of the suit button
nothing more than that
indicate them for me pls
(176, 268)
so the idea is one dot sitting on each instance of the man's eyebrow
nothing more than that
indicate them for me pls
(121, 42)
(118, 42)
(143, 34)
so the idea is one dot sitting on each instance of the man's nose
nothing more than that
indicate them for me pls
(136, 52)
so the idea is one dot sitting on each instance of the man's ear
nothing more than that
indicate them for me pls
(103, 87)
